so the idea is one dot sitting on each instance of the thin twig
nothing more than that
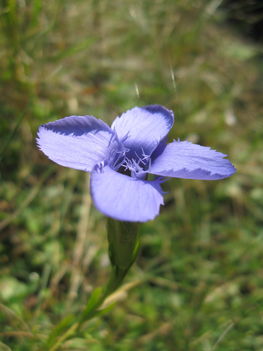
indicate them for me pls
(221, 337)
(79, 250)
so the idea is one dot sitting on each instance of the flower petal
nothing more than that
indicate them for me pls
(143, 127)
(191, 161)
(78, 142)
(125, 198)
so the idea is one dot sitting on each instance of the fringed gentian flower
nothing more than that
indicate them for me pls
(122, 157)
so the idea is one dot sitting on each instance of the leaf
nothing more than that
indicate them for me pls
(60, 328)
(92, 304)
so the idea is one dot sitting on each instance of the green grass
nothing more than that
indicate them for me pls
(198, 279)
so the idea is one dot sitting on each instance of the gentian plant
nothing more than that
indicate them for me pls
(121, 158)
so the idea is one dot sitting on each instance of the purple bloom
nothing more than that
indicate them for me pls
(121, 157)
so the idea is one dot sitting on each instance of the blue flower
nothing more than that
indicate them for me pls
(120, 158)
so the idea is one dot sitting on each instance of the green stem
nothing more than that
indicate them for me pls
(71, 331)
(114, 282)
(123, 249)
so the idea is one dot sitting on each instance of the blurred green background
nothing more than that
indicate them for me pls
(198, 282)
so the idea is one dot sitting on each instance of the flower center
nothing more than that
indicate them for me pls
(135, 165)
(131, 163)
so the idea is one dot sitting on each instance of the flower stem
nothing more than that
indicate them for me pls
(124, 245)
